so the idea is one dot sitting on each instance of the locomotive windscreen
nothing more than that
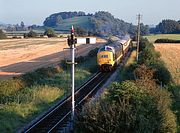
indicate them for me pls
(108, 49)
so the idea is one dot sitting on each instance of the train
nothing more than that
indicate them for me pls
(110, 55)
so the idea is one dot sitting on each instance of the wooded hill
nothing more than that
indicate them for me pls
(100, 23)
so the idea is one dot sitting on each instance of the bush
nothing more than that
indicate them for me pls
(50, 33)
(129, 107)
(31, 34)
(149, 56)
(79, 31)
(39, 75)
(162, 74)
(2, 35)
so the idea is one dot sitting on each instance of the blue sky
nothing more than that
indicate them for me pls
(35, 11)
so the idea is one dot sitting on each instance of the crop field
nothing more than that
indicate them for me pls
(153, 38)
(18, 56)
(171, 56)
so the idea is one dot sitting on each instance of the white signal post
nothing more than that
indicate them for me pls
(72, 74)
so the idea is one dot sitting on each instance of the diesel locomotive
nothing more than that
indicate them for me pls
(109, 56)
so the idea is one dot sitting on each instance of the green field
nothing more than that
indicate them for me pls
(83, 21)
(154, 37)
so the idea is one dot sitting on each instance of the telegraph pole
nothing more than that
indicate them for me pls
(138, 36)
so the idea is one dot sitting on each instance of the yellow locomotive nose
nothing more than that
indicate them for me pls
(105, 60)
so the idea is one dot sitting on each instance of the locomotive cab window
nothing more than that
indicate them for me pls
(109, 49)
(104, 56)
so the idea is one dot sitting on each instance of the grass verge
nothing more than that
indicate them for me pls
(125, 73)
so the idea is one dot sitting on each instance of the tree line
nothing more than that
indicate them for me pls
(167, 26)
(49, 32)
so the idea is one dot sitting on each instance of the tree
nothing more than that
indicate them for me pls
(2, 35)
(50, 32)
(79, 31)
(22, 25)
(31, 34)
(144, 29)
(168, 27)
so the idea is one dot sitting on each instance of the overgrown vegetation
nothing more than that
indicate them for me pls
(129, 107)
(31, 34)
(151, 58)
(140, 104)
(25, 97)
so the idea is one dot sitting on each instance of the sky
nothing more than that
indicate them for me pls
(35, 11)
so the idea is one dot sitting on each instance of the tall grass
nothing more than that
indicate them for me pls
(25, 97)
(125, 73)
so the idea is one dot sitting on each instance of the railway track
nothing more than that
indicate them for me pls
(58, 118)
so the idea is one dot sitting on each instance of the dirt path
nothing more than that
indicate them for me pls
(21, 56)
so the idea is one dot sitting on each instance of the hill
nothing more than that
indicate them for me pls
(100, 23)
(80, 21)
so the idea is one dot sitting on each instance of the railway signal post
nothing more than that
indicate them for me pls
(71, 43)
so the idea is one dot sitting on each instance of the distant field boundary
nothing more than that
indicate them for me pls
(166, 41)
(153, 37)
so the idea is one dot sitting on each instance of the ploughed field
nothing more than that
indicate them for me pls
(171, 56)
(18, 56)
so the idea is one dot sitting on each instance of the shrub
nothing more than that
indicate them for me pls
(50, 33)
(129, 107)
(149, 56)
(31, 34)
(2, 35)
(162, 74)
(143, 43)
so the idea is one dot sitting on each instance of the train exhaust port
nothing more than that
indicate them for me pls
(106, 68)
